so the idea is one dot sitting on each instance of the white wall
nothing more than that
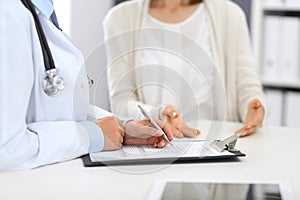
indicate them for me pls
(82, 21)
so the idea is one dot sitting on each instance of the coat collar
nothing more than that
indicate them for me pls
(44, 6)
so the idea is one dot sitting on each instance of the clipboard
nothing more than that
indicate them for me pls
(226, 154)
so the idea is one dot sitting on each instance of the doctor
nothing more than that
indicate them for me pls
(44, 113)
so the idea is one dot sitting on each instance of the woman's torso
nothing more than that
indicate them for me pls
(176, 79)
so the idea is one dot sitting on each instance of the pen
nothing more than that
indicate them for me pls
(153, 122)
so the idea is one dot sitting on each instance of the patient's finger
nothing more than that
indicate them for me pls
(170, 113)
(189, 132)
(250, 131)
(178, 134)
(247, 132)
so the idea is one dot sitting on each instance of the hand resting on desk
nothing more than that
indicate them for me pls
(254, 118)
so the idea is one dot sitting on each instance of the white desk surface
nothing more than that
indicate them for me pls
(272, 155)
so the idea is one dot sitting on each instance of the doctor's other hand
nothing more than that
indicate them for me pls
(113, 132)
(254, 118)
(179, 129)
(143, 133)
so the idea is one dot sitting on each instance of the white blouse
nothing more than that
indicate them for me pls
(168, 78)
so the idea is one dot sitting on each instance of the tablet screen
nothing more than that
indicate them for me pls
(216, 191)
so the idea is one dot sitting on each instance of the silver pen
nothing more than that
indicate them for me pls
(153, 122)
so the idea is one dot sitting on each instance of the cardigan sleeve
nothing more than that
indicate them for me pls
(247, 82)
(120, 29)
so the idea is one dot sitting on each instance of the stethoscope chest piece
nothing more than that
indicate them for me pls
(53, 85)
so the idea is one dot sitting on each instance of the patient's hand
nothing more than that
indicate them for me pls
(254, 118)
(179, 129)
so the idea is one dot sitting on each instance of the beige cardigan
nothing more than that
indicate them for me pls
(231, 51)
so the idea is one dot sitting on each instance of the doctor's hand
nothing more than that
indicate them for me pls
(143, 133)
(254, 118)
(113, 131)
(179, 129)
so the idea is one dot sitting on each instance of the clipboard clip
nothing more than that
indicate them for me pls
(228, 143)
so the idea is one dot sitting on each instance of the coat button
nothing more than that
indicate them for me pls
(82, 85)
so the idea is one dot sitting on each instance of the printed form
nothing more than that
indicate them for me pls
(180, 148)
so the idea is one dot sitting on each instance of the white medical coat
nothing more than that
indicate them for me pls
(36, 129)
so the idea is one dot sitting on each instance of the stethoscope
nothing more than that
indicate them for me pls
(52, 84)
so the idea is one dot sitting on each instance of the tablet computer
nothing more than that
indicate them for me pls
(198, 190)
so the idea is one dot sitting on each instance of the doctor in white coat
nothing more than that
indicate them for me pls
(37, 129)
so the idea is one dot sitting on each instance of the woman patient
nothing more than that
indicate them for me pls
(176, 88)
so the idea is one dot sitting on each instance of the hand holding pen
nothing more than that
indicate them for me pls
(166, 135)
